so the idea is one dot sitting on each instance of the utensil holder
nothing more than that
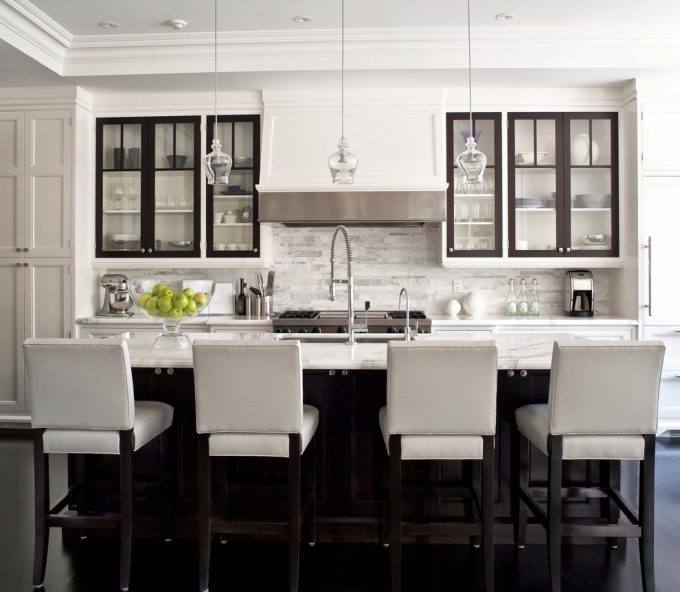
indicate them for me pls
(254, 305)
(266, 306)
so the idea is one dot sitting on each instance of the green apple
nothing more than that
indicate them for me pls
(188, 292)
(144, 298)
(175, 313)
(180, 301)
(158, 288)
(152, 305)
(167, 292)
(200, 299)
(190, 308)
(165, 303)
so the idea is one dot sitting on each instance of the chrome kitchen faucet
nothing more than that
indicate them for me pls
(352, 327)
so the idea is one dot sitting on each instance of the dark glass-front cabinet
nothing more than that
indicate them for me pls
(148, 187)
(232, 227)
(474, 219)
(563, 184)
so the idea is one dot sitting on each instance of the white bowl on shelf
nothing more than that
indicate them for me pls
(528, 157)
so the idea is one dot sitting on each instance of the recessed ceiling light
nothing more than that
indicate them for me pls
(177, 24)
(303, 18)
(109, 25)
(505, 16)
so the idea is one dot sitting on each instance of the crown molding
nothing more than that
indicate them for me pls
(41, 96)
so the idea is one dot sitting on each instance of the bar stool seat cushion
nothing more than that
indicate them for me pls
(264, 444)
(152, 418)
(534, 422)
(434, 446)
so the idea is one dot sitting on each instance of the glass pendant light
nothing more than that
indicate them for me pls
(471, 161)
(343, 164)
(217, 164)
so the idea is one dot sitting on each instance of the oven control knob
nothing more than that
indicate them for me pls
(391, 330)
(341, 330)
(316, 330)
(283, 330)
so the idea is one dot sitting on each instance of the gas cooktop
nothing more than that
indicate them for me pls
(335, 321)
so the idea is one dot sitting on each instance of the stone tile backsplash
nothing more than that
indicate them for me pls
(385, 260)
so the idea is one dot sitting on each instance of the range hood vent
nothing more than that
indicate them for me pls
(353, 206)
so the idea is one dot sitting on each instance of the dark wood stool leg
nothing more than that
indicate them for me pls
(647, 515)
(610, 477)
(520, 480)
(41, 470)
(126, 506)
(204, 511)
(310, 466)
(487, 512)
(395, 512)
(294, 511)
(166, 497)
(555, 511)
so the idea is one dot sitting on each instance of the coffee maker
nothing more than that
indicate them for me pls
(579, 289)
(117, 299)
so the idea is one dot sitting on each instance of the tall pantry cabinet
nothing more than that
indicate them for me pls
(36, 239)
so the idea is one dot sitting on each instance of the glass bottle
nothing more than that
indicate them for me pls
(511, 300)
(523, 303)
(534, 304)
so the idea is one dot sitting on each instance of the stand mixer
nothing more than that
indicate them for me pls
(117, 299)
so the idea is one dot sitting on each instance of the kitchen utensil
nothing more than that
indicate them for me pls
(270, 282)
(117, 299)
(181, 244)
(218, 217)
(531, 202)
(260, 283)
(594, 239)
(176, 161)
(255, 291)
(230, 217)
(528, 157)
(266, 305)
(254, 304)
(579, 289)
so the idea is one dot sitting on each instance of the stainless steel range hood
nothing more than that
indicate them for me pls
(353, 206)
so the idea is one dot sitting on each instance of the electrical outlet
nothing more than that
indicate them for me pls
(457, 286)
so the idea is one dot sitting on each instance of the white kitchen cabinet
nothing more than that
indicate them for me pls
(610, 333)
(11, 336)
(661, 263)
(670, 335)
(101, 330)
(661, 138)
(11, 183)
(37, 303)
(47, 183)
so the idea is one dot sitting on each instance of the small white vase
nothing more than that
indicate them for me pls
(452, 307)
(474, 304)
(580, 150)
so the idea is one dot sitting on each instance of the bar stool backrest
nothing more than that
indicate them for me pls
(442, 387)
(605, 387)
(248, 386)
(81, 384)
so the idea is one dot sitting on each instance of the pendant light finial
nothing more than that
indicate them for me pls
(471, 161)
(217, 163)
(343, 164)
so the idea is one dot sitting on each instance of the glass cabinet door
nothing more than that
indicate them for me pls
(474, 210)
(120, 187)
(232, 225)
(535, 184)
(591, 184)
(176, 190)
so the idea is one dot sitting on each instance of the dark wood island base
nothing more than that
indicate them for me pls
(351, 464)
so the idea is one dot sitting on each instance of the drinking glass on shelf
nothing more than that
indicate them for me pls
(476, 212)
(134, 198)
(471, 244)
(183, 202)
(118, 198)
(463, 213)
(172, 203)
(162, 202)
(458, 246)
(484, 244)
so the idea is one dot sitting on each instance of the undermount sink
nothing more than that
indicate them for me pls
(341, 339)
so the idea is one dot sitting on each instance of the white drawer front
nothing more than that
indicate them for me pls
(670, 335)
(608, 333)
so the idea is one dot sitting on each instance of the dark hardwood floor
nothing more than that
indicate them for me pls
(92, 565)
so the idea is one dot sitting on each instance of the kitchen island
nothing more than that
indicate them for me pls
(348, 386)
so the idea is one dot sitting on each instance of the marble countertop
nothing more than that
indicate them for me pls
(210, 321)
(529, 351)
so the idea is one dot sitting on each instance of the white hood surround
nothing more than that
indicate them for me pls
(397, 135)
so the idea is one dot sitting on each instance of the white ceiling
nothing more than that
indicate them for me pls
(80, 17)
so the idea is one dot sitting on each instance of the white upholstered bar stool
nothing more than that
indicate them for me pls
(603, 405)
(82, 402)
(441, 405)
(249, 404)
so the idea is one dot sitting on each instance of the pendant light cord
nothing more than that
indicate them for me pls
(215, 130)
(469, 66)
(342, 70)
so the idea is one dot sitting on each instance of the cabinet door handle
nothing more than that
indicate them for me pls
(18, 264)
(157, 371)
(25, 264)
(170, 371)
(25, 249)
(568, 249)
(648, 306)
(450, 249)
(331, 373)
(345, 373)
(143, 250)
(19, 249)
(523, 373)
(149, 251)
(561, 250)
(511, 373)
